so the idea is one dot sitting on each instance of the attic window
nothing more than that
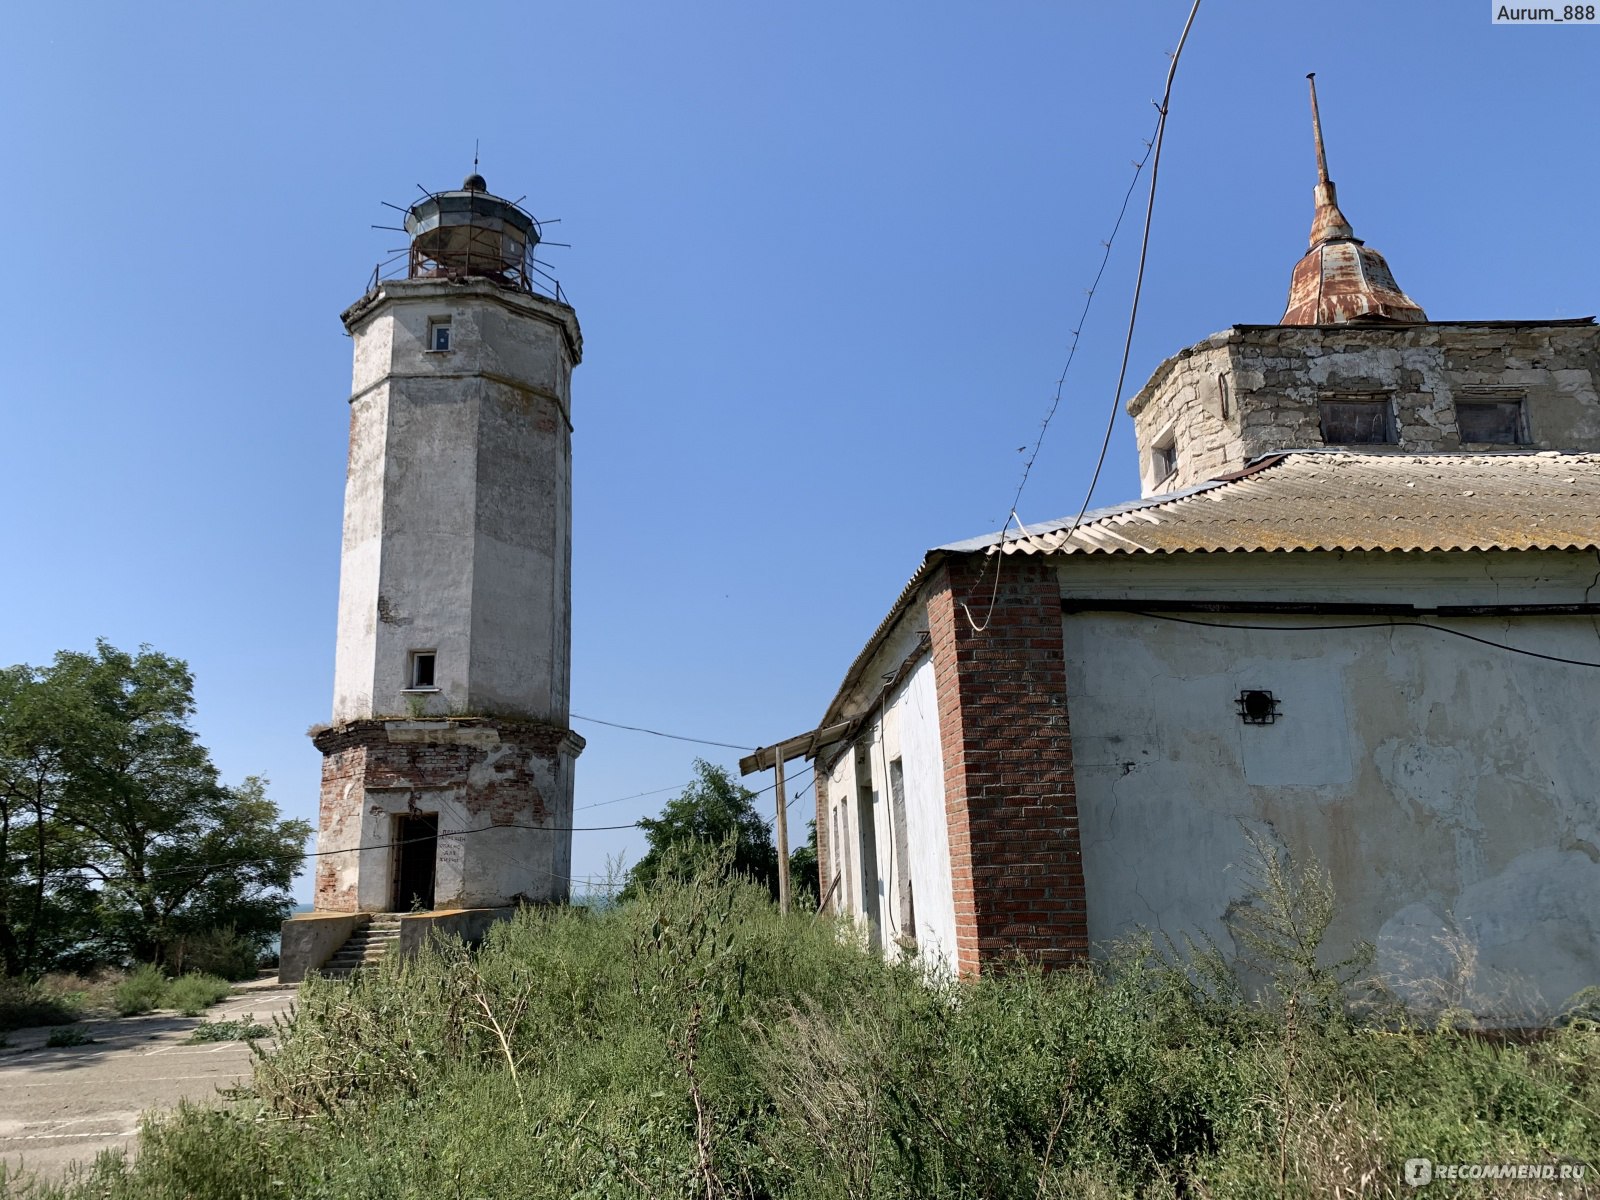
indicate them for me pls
(1495, 421)
(1357, 421)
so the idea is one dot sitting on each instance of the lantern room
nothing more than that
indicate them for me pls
(471, 234)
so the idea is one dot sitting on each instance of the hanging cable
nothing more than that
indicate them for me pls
(1138, 283)
(677, 737)
(1392, 624)
(1152, 147)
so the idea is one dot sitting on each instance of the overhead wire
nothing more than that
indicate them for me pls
(677, 737)
(1390, 624)
(201, 868)
(1152, 148)
(1072, 351)
(1138, 285)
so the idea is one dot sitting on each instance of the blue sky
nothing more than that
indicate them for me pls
(827, 258)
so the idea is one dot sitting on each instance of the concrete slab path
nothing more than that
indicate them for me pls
(65, 1105)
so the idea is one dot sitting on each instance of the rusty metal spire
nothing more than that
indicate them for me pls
(1328, 223)
(1316, 131)
(1340, 279)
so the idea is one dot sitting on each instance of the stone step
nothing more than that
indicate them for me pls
(363, 948)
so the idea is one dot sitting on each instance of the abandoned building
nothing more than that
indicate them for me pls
(1354, 614)
(448, 766)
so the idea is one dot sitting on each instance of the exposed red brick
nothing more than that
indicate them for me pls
(824, 851)
(493, 782)
(1010, 803)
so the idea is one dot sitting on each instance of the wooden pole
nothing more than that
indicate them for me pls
(783, 838)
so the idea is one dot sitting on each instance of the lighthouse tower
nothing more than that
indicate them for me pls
(447, 768)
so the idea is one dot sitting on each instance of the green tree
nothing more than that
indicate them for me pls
(131, 840)
(713, 811)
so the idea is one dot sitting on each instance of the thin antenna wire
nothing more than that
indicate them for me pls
(1138, 283)
(997, 558)
(1151, 147)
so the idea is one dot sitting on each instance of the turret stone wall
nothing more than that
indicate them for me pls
(1255, 389)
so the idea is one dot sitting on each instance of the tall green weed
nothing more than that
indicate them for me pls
(694, 1043)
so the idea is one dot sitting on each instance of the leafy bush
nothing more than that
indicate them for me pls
(143, 990)
(67, 1037)
(246, 1029)
(25, 1002)
(146, 989)
(192, 994)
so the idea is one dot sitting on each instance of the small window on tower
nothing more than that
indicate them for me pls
(439, 336)
(422, 670)
(1164, 459)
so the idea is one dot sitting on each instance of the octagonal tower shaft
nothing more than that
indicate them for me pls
(455, 586)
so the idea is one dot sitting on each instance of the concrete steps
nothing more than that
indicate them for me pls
(364, 948)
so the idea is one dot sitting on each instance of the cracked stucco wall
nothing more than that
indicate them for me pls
(1449, 788)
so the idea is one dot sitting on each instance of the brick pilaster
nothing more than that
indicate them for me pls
(1010, 803)
(824, 832)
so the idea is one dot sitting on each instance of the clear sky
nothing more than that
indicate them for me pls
(827, 258)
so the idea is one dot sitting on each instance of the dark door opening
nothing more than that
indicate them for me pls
(871, 885)
(416, 838)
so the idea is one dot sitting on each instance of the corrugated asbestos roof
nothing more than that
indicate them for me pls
(1333, 500)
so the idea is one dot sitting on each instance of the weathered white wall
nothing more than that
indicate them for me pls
(917, 707)
(504, 809)
(1448, 787)
(457, 504)
(907, 728)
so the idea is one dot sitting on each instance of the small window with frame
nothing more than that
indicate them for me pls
(439, 336)
(1357, 421)
(1492, 420)
(1164, 459)
(420, 671)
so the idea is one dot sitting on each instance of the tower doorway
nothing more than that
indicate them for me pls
(416, 838)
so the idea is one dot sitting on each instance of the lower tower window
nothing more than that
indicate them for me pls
(420, 676)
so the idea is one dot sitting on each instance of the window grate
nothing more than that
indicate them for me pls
(1258, 707)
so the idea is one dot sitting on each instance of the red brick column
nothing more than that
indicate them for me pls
(1010, 803)
(824, 851)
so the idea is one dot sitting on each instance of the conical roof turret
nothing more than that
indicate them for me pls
(1340, 280)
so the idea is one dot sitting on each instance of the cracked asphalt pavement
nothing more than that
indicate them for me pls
(65, 1104)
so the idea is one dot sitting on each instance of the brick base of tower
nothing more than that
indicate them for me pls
(499, 790)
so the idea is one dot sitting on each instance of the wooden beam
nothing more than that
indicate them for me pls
(783, 842)
(801, 745)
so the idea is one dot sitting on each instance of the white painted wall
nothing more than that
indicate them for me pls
(1448, 787)
(908, 729)
(917, 708)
